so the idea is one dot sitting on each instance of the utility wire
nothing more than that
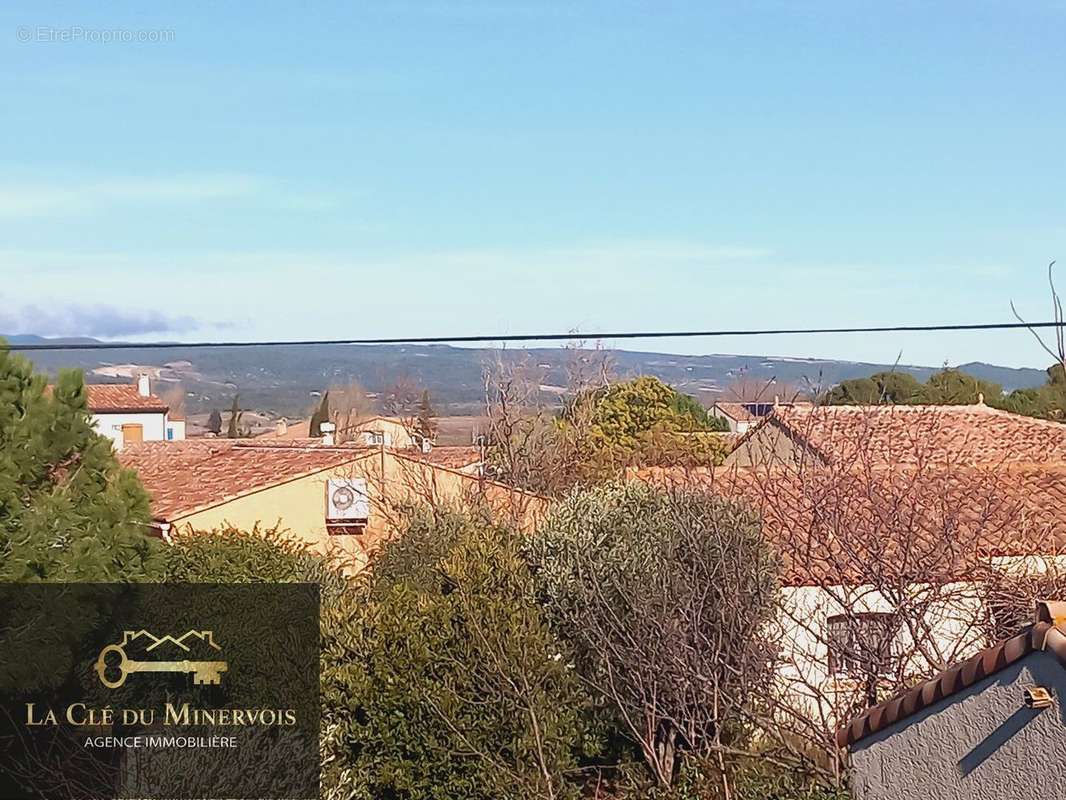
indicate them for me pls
(527, 337)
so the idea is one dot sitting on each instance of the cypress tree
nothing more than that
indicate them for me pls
(233, 429)
(214, 422)
(321, 415)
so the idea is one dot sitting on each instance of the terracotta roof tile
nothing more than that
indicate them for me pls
(972, 434)
(451, 456)
(105, 398)
(1039, 636)
(832, 525)
(188, 476)
(112, 398)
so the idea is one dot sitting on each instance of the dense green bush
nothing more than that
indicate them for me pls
(441, 678)
(259, 555)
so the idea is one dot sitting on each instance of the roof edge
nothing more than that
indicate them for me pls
(1041, 636)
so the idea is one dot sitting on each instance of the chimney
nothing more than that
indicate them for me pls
(281, 427)
(427, 445)
(144, 387)
(980, 398)
(327, 429)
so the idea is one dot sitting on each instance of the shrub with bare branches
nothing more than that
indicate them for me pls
(663, 597)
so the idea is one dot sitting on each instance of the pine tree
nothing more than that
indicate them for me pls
(321, 415)
(233, 428)
(214, 422)
(68, 512)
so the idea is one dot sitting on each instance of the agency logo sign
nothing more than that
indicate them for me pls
(178, 691)
(113, 665)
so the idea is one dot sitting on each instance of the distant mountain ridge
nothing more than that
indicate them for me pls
(286, 380)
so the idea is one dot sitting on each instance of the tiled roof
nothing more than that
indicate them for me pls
(972, 434)
(113, 398)
(735, 411)
(753, 410)
(833, 526)
(452, 457)
(192, 475)
(1046, 634)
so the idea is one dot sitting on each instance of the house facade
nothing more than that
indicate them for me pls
(376, 431)
(341, 499)
(889, 522)
(130, 413)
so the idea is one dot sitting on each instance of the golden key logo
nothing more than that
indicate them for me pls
(114, 661)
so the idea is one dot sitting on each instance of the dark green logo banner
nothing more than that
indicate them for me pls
(180, 691)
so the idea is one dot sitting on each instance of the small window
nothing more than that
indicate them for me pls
(132, 432)
(376, 437)
(170, 434)
(861, 645)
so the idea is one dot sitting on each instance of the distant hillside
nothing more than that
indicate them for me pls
(281, 380)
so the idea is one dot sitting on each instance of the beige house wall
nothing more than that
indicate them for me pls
(802, 631)
(392, 481)
(767, 445)
(398, 435)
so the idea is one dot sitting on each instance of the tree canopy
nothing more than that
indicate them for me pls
(68, 511)
(442, 678)
(952, 386)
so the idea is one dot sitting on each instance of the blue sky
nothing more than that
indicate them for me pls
(395, 168)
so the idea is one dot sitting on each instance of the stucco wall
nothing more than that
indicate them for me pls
(154, 425)
(980, 743)
(768, 445)
(396, 433)
(802, 632)
(300, 505)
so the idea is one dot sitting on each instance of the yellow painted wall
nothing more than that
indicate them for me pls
(300, 505)
(400, 435)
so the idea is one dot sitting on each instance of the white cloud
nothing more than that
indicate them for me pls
(61, 319)
(36, 198)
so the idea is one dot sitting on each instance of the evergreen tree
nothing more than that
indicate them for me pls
(321, 415)
(233, 429)
(68, 512)
(214, 422)
(425, 426)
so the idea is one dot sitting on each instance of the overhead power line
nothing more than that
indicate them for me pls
(528, 337)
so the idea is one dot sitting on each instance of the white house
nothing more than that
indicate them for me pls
(890, 522)
(131, 413)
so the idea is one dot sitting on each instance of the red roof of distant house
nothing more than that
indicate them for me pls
(122, 397)
(970, 434)
(835, 526)
(450, 456)
(117, 398)
(192, 475)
